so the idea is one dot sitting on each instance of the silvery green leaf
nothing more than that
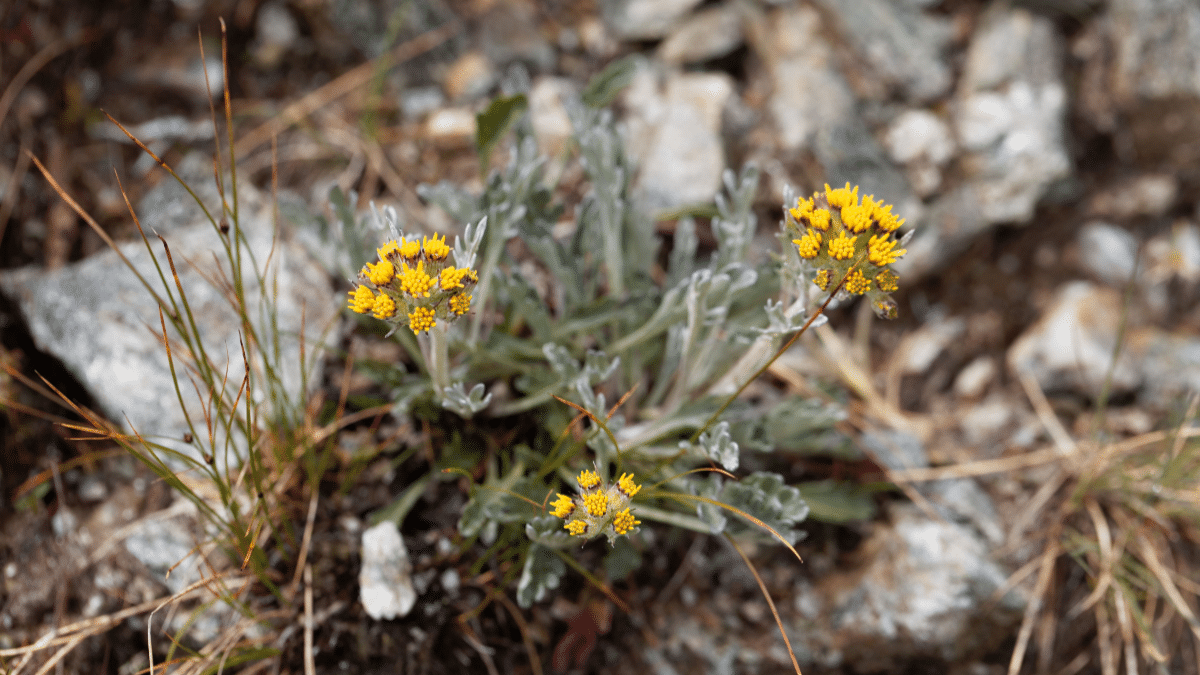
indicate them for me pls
(466, 248)
(456, 399)
(713, 516)
(548, 531)
(597, 366)
(560, 360)
(603, 88)
(683, 252)
(766, 497)
(543, 572)
(489, 504)
(717, 445)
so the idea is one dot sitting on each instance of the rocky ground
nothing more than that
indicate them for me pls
(1049, 327)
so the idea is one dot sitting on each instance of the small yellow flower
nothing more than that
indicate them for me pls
(415, 282)
(451, 278)
(435, 250)
(362, 300)
(842, 196)
(409, 250)
(384, 307)
(857, 217)
(576, 527)
(421, 319)
(881, 250)
(388, 249)
(588, 479)
(888, 281)
(822, 280)
(596, 503)
(381, 273)
(809, 244)
(627, 486)
(460, 303)
(563, 506)
(857, 283)
(624, 522)
(842, 248)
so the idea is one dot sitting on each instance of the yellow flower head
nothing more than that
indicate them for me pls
(421, 319)
(624, 522)
(563, 506)
(576, 527)
(842, 248)
(627, 486)
(888, 281)
(588, 479)
(388, 249)
(435, 250)
(809, 244)
(384, 307)
(362, 300)
(459, 304)
(881, 250)
(409, 250)
(451, 278)
(857, 283)
(381, 273)
(415, 281)
(841, 197)
(596, 503)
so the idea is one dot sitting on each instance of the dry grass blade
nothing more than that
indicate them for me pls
(770, 603)
(1040, 590)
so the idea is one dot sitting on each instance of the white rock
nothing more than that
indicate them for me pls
(674, 134)
(1071, 346)
(645, 19)
(385, 579)
(928, 342)
(1108, 252)
(706, 35)
(975, 377)
(809, 93)
(548, 115)
(919, 135)
(451, 127)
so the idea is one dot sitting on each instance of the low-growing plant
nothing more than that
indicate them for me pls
(586, 316)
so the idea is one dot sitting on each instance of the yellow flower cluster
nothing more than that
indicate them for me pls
(412, 279)
(842, 236)
(599, 509)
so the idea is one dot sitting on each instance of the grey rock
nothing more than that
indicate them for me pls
(101, 322)
(510, 32)
(276, 33)
(1157, 43)
(1011, 112)
(645, 19)
(385, 579)
(1145, 195)
(1108, 253)
(922, 142)
(904, 45)
(1071, 347)
(166, 543)
(674, 135)
(924, 593)
(895, 449)
(708, 34)
(1171, 366)
(975, 377)
(809, 94)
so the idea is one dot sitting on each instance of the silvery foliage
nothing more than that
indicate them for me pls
(716, 445)
(456, 399)
(762, 495)
(582, 378)
(543, 571)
